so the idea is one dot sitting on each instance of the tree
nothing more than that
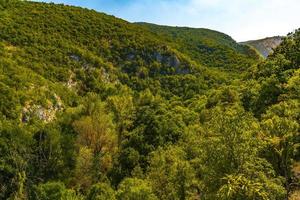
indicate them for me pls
(293, 86)
(123, 109)
(135, 189)
(96, 130)
(281, 129)
(54, 190)
(101, 191)
(171, 175)
(14, 156)
(83, 177)
(254, 180)
(97, 133)
(225, 153)
(47, 159)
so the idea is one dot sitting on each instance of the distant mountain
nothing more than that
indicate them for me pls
(265, 46)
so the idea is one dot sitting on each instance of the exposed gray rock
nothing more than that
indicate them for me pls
(265, 46)
(182, 71)
(75, 57)
(158, 57)
(130, 56)
(174, 61)
(171, 60)
(46, 114)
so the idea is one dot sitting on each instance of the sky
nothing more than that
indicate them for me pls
(241, 19)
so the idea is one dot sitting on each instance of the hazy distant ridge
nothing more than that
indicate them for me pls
(265, 46)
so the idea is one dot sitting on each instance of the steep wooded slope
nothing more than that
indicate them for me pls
(208, 47)
(93, 107)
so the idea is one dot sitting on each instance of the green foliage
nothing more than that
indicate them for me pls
(14, 155)
(171, 175)
(54, 190)
(135, 189)
(97, 141)
(47, 160)
(101, 191)
(208, 47)
(225, 155)
(94, 107)
(281, 126)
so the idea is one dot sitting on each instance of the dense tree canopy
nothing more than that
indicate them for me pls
(94, 107)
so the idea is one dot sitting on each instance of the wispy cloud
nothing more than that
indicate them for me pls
(242, 19)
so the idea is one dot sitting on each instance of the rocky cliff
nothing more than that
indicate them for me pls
(265, 46)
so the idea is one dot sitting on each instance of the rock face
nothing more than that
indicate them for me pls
(44, 113)
(168, 60)
(265, 46)
(75, 57)
(174, 62)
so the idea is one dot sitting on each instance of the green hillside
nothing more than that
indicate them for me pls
(87, 50)
(207, 47)
(93, 107)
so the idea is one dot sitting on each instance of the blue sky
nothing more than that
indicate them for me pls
(241, 19)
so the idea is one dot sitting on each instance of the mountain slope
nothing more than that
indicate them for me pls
(58, 42)
(85, 50)
(208, 47)
(94, 107)
(265, 46)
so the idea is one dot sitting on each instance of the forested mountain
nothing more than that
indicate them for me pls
(207, 47)
(94, 107)
(265, 46)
